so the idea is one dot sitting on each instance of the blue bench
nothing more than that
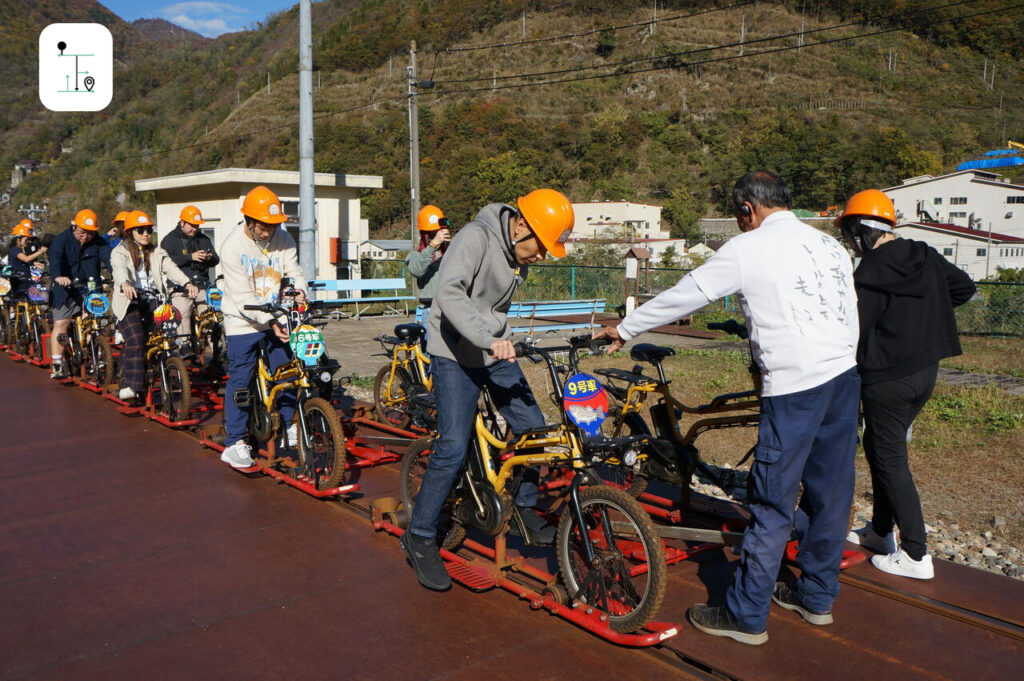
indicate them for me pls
(537, 310)
(337, 294)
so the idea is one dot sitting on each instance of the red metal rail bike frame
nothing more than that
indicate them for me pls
(493, 571)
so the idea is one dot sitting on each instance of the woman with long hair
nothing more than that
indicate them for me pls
(138, 264)
(424, 262)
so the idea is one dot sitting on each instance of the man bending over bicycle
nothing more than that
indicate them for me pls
(470, 350)
(253, 261)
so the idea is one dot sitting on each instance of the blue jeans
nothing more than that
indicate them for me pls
(243, 353)
(806, 437)
(457, 389)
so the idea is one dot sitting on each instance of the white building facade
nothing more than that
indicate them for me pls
(976, 252)
(219, 194)
(976, 199)
(622, 221)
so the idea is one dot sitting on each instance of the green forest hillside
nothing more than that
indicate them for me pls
(591, 97)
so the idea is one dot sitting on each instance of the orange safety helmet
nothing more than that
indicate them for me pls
(120, 217)
(550, 216)
(869, 203)
(137, 219)
(23, 228)
(87, 220)
(263, 205)
(430, 219)
(191, 215)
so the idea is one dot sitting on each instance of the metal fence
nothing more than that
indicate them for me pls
(997, 309)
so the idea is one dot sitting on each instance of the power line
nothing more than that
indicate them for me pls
(698, 50)
(580, 34)
(677, 65)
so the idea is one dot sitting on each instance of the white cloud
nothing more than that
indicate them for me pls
(206, 18)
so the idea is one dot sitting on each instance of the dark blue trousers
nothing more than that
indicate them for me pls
(806, 437)
(243, 354)
(457, 389)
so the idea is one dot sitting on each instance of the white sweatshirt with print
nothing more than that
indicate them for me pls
(252, 276)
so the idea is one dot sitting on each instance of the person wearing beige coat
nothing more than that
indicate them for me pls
(137, 264)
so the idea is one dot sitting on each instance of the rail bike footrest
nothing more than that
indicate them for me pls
(473, 578)
(38, 362)
(16, 356)
(98, 389)
(165, 421)
(697, 534)
(307, 485)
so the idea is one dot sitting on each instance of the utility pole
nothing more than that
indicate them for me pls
(988, 251)
(307, 212)
(414, 142)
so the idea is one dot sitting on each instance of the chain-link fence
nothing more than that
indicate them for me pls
(997, 309)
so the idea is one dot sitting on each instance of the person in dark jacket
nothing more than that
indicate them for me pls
(192, 251)
(906, 292)
(76, 255)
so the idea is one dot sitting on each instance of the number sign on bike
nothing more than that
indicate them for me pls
(586, 402)
(213, 297)
(97, 304)
(308, 344)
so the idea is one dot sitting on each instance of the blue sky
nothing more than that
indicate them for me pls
(206, 18)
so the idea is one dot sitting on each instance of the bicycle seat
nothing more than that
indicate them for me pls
(648, 352)
(412, 332)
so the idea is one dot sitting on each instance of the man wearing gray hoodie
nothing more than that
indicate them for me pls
(470, 350)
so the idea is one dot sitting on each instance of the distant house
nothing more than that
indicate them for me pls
(384, 249)
(977, 252)
(975, 199)
(623, 221)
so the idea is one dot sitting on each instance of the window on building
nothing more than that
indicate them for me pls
(958, 200)
(957, 214)
(947, 251)
(1015, 199)
(980, 251)
(937, 201)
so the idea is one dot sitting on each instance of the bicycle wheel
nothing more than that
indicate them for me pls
(414, 463)
(176, 390)
(627, 578)
(211, 352)
(325, 454)
(391, 402)
(22, 335)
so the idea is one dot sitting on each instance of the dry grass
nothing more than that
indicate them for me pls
(989, 356)
(967, 448)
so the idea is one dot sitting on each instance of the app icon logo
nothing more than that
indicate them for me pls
(76, 67)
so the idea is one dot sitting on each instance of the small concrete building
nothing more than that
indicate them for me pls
(219, 193)
(976, 199)
(617, 221)
(977, 252)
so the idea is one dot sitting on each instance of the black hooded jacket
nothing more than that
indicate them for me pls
(181, 248)
(906, 292)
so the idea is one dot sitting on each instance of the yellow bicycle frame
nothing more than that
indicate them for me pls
(410, 357)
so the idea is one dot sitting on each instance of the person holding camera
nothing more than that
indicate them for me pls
(424, 262)
(192, 251)
(25, 250)
(255, 261)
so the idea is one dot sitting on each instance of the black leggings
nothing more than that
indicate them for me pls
(889, 409)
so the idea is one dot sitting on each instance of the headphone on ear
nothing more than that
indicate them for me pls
(745, 210)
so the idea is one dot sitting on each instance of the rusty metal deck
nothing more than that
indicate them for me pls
(128, 551)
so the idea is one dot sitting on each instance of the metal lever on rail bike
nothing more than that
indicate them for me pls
(731, 326)
(588, 342)
(265, 307)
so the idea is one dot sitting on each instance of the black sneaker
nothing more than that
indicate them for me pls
(718, 621)
(425, 559)
(542, 533)
(789, 599)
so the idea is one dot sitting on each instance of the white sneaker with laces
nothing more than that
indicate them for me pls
(56, 369)
(899, 563)
(126, 394)
(869, 539)
(238, 455)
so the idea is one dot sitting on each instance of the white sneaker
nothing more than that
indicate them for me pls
(238, 455)
(126, 394)
(56, 370)
(118, 338)
(899, 563)
(869, 539)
